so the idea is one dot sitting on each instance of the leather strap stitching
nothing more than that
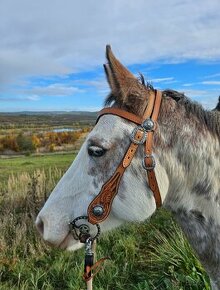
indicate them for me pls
(120, 113)
(110, 188)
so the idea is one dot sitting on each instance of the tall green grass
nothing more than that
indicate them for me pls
(147, 256)
(19, 165)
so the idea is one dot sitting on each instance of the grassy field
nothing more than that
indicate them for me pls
(18, 165)
(148, 256)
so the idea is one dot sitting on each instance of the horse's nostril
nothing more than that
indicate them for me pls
(40, 226)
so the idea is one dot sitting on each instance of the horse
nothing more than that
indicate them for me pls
(186, 153)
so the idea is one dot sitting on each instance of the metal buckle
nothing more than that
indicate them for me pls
(134, 132)
(153, 162)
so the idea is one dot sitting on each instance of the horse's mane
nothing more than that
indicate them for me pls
(217, 108)
(209, 118)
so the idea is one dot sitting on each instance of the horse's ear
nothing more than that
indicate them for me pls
(118, 76)
(122, 82)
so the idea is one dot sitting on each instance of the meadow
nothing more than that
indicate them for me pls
(146, 256)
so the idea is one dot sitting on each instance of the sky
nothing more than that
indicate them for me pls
(52, 52)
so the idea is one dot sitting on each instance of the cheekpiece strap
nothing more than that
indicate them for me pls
(141, 134)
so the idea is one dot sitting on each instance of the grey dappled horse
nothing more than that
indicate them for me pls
(186, 150)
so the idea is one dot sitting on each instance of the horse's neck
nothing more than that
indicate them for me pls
(190, 155)
(191, 162)
(193, 173)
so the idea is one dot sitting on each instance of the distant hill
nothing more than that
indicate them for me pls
(82, 113)
(45, 119)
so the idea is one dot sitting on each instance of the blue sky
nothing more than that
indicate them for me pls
(52, 59)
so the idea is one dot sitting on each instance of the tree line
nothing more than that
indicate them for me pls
(32, 142)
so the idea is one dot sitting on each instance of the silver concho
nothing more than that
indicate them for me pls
(98, 210)
(84, 229)
(133, 134)
(148, 124)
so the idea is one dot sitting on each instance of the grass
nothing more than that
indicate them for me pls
(18, 165)
(149, 256)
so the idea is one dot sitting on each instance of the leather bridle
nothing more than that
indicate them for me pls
(100, 207)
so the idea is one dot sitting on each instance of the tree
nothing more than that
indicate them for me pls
(36, 142)
(25, 143)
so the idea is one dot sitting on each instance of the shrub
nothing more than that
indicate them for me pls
(25, 143)
(52, 147)
(9, 142)
(35, 141)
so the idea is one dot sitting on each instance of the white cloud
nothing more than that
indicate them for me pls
(33, 98)
(100, 84)
(211, 83)
(55, 38)
(19, 99)
(52, 90)
(214, 83)
(162, 80)
(212, 76)
(208, 98)
(36, 93)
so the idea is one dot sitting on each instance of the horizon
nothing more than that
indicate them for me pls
(56, 111)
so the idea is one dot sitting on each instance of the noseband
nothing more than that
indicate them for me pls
(99, 209)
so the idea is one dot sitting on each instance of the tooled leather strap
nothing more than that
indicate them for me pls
(110, 188)
(121, 113)
(149, 159)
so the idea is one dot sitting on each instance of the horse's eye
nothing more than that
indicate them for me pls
(96, 151)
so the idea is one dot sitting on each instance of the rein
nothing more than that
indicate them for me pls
(100, 207)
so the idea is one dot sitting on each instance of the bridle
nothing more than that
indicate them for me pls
(100, 207)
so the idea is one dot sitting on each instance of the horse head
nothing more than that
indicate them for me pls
(97, 161)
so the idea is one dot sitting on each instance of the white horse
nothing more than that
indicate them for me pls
(186, 150)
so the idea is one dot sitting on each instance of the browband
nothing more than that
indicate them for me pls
(100, 207)
(120, 113)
